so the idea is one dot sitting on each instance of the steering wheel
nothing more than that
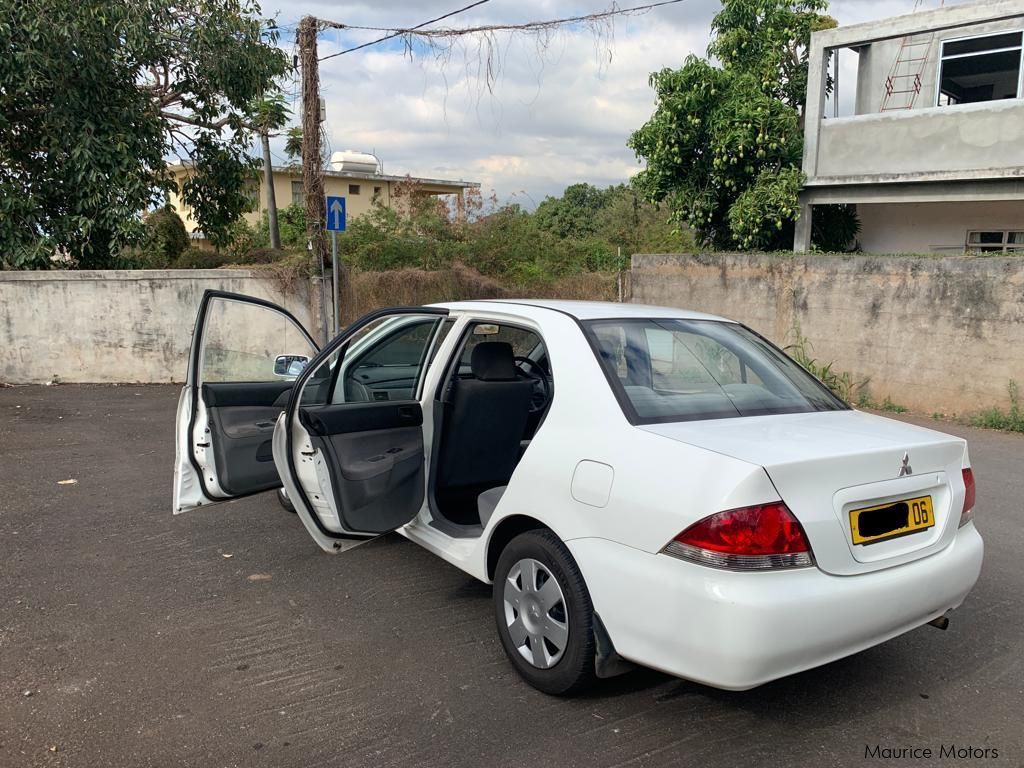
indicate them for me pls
(542, 384)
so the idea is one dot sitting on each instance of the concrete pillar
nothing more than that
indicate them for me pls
(802, 236)
(460, 206)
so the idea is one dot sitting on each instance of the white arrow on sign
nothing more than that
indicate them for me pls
(337, 211)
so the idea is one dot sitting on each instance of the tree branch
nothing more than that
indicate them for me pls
(216, 125)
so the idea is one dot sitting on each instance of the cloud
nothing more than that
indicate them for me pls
(559, 110)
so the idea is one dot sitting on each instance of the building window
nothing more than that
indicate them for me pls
(985, 68)
(377, 191)
(252, 191)
(298, 193)
(353, 189)
(996, 241)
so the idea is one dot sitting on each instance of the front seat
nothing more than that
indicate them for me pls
(485, 421)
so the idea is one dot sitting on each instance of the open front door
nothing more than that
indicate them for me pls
(350, 445)
(246, 356)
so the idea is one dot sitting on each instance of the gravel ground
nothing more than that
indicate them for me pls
(224, 637)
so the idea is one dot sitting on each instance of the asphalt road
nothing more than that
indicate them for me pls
(224, 637)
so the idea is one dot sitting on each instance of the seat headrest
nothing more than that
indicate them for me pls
(493, 361)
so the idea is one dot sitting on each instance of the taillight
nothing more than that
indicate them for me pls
(968, 512)
(762, 537)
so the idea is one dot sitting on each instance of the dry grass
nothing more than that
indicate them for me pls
(588, 286)
(410, 287)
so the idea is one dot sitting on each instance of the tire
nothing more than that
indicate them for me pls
(284, 501)
(529, 619)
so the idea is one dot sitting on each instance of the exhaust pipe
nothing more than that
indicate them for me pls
(942, 622)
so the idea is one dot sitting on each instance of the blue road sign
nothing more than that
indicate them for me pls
(335, 214)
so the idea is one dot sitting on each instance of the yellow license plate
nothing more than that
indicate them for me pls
(887, 521)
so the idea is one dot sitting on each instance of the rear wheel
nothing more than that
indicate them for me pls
(544, 614)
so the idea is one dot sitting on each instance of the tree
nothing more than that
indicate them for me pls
(270, 114)
(94, 97)
(724, 145)
(293, 144)
(573, 214)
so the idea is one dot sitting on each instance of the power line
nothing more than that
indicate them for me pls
(394, 34)
(527, 26)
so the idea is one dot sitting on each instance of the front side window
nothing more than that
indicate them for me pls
(686, 370)
(986, 68)
(383, 362)
(250, 342)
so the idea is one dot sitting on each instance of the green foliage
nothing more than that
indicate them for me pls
(997, 418)
(762, 213)
(200, 258)
(891, 407)
(95, 96)
(293, 144)
(291, 222)
(504, 242)
(723, 147)
(769, 39)
(165, 236)
(271, 112)
(261, 256)
(834, 228)
(573, 214)
(602, 220)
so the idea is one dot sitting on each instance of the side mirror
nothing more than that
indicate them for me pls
(289, 365)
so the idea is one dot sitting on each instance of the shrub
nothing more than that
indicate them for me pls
(165, 238)
(200, 258)
(259, 256)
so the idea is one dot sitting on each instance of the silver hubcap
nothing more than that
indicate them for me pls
(536, 614)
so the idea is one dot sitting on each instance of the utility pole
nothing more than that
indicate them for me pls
(312, 173)
(268, 177)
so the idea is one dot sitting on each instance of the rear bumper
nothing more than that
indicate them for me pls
(739, 630)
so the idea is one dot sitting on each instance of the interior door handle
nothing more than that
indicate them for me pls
(407, 413)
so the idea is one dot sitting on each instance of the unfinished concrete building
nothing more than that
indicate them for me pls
(930, 145)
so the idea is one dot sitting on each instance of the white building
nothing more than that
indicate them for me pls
(933, 154)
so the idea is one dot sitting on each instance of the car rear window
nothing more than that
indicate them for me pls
(666, 370)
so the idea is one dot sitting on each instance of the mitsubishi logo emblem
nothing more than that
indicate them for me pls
(906, 469)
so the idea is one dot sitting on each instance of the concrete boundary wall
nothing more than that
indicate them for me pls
(933, 334)
(124, 326)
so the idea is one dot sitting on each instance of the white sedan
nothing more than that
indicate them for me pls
(641, 484)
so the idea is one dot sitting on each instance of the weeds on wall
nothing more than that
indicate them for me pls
(841, 383)
(997, 418)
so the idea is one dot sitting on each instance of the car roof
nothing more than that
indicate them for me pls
(581, 310)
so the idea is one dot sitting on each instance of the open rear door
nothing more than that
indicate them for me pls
(350, 445)
(246, 356)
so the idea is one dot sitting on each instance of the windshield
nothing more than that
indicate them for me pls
(685, 370)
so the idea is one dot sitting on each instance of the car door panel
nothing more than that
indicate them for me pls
(241, 418)
(232, 398)
(356, 466)
(375, 457)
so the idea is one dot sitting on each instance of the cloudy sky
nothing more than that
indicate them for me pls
(560, 110)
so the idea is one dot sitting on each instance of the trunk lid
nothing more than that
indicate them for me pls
(826, 464)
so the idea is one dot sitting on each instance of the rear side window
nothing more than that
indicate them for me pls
(686, 370)
(524, 343)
